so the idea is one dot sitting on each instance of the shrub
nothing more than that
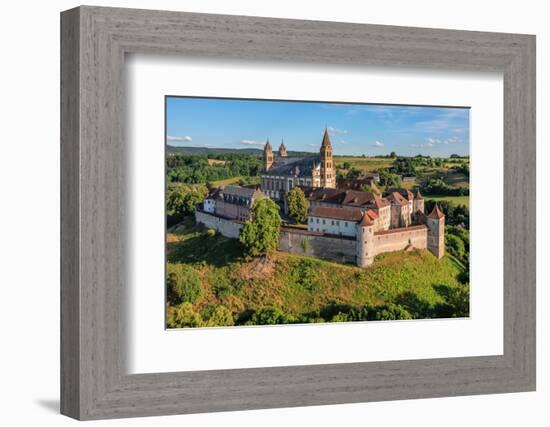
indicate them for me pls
(211, 232)
(303, 274)
(340, 317)
(218, 316)
(183, 284)
(390, 312)
(183, 316)
(455, 246)
(268, 316)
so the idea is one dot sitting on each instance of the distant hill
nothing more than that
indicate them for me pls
(215, 151)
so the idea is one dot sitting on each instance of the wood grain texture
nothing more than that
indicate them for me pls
(94, 240)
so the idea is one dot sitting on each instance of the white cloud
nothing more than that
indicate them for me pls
(378, 144)
(431, 142)
(312, 145)
(333, 130)
(186, 138)
(250, 142)
(343, 142)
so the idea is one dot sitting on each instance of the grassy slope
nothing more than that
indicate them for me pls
(297, 284)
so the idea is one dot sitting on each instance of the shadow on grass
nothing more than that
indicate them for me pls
(196, 246)
(456, 303)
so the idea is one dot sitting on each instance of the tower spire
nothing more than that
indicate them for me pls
(282, 149)
(326, 139)
(268, 156)
(328, 174)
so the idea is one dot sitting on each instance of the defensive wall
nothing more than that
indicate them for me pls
(226, 227)
(401, 238)
(319, 245)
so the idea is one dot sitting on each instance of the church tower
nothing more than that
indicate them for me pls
(268, 156)
(282, 150)
(328, 175)
(436, 232)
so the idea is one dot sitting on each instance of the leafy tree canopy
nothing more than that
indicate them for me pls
(260, 234)
(182, 199)
(297, 205)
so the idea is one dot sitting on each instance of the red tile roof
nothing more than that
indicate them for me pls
(436, 213)
(337, 213)
(372, 215)
(397, 198)
(366, 221)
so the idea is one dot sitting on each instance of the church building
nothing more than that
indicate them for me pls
(281, 173)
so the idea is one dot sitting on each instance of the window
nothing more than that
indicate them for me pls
(323, 222)
(317, 222)
(338, 223)
(332, 222)
(345, 223)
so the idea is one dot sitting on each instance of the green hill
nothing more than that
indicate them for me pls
(287, 288)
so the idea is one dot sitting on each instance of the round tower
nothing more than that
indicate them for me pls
(282, 150)
(268, 156)
(328, 175)
(436, 232)
(365, 241)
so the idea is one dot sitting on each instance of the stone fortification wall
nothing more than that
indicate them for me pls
(396, 240)
(318, 245)
(336, 248)
(225, 227)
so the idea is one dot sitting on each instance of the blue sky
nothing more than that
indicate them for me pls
(355, 129)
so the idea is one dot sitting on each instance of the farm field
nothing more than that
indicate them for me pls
(287, 288)
(365, 164)
(459, 200)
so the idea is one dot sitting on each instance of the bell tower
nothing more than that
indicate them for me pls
(282, 150)
(268, 156)
(328, 176)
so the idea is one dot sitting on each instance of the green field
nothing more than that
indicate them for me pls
(364, 164)
(286, 288)
(459, 200)
(235, 180)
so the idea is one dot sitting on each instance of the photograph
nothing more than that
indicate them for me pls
(300, 212)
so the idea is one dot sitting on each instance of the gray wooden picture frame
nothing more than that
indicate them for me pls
(94, 41)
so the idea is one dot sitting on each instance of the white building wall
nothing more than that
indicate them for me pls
(209, 205)
(332, 226)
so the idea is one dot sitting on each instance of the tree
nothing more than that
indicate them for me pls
(260, 234)
(219, 316)
(393, 155)
(297, 205)
(183, 284)
(269, 316)
(455, 246)
(182, 199)
(184, 316)
(367, 188)
(389, 179)
(353, 173)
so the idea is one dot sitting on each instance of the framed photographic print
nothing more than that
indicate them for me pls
(261, 213)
